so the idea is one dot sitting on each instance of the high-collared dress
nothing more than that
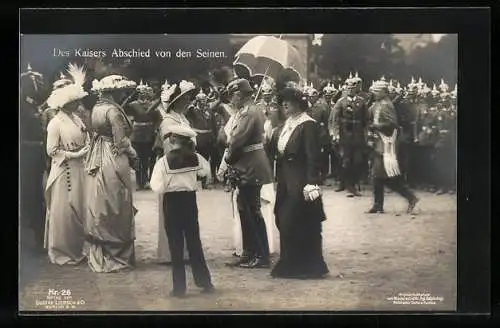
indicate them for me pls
(298, 148)
(65, 190)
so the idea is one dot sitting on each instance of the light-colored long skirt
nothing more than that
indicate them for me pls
(64, 232)
(267, 196)
(110, 225)
(163, 252)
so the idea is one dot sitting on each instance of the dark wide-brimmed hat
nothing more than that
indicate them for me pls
(292, 92)
(242, 85)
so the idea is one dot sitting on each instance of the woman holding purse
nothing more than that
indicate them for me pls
(299, 208)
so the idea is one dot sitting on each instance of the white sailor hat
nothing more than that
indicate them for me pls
(180, 130)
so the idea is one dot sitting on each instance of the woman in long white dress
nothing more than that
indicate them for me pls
(175, 101)
(67, 145)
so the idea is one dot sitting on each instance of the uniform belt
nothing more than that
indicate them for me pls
(142, 123)
(351, 121)
(253, 147)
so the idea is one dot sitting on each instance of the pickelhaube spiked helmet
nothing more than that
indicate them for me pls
(329, 89)
(434, 91)
(454, 92)
(201, 95)
(266, 88)
(443, 86)
(391, 88)
(398, 88)
(144, 88)
(381, 84)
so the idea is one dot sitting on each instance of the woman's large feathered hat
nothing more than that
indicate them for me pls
(69, 92)
(61, 82)
(112, 82)
(291, 91)
(178, 91)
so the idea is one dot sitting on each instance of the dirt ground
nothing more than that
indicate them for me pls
(372, 258)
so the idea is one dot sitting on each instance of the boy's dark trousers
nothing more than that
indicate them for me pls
(181, 221)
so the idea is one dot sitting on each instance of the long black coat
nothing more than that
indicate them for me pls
(299, 165)
(299, 221)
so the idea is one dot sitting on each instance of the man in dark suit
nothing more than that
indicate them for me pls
(246, 157)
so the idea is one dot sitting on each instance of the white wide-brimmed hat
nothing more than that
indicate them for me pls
(67, 93)
(178, 91)
(112, 82)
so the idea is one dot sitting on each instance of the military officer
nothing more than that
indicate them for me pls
(201, 117)
(269, 108)
(248, 162)
(143, 134)
(383, 134)
(32, 155)
(446, 144)
(407, 114)
(347, 126)
(319, 110)
(428, 136)
(330, 94)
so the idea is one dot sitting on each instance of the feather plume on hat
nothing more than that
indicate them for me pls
(70, 92)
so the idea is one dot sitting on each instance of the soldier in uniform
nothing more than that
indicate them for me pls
(247, 160)
(407, 114)
(445, 155)
(347, 125)
(330, 94)
(319, 110)
(201, 117)
(383, 138)
(143, 134)
(32, 155)
(427, 138)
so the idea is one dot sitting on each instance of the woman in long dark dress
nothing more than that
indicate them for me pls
(299, 208)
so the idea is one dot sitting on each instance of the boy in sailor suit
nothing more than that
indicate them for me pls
(175, 176)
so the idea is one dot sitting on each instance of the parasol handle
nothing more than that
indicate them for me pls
(260, 86)
(265, 74)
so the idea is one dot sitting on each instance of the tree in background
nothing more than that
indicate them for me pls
(376, 55)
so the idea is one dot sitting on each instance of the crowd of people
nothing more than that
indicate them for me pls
(272, 142)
